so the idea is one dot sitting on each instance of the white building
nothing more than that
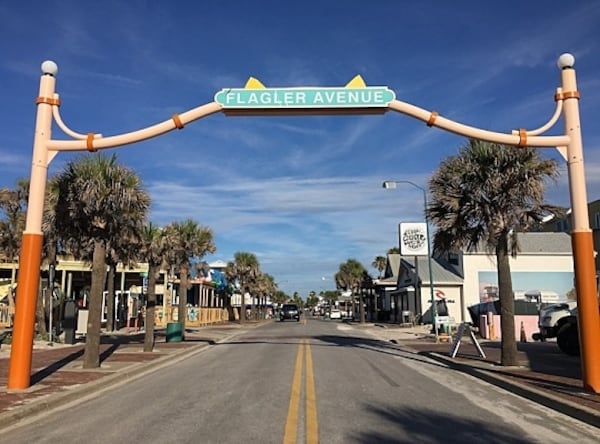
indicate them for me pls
(544, 265)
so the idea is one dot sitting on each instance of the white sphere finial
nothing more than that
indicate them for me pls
(49, 67)
(566, 60)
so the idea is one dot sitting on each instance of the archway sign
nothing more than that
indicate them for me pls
(354, 98)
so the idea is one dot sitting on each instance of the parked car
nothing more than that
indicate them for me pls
(289, 311)
(335, 314)
(560, 321)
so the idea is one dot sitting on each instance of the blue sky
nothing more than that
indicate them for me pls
(302, 193)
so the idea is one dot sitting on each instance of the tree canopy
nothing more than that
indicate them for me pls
(483, 197)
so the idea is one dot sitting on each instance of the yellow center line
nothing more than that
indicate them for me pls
(312, 424)
(291, 425)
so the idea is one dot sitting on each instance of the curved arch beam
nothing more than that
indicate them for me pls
(553, 119)
(176, 122)
(433, 119)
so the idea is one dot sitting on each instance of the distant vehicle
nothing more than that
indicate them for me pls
(541, 296)
(335, 314)
(289, 312)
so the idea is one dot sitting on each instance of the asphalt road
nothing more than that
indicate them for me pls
(307, 382)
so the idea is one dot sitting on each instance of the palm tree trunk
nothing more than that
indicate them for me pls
(183, 285)
(362, 307)
(91, 354)
(110, 298)
(507, 305)
(150, 308)
(242, 303)
(40, 312)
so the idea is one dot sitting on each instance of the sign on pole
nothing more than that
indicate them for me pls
(413, 239)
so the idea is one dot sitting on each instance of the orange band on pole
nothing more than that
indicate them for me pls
(48, 100)
(522, 137)
(90, 143)
(19, 371)
(587, 309)
(177, 121)
(432, 118)
(567, 95)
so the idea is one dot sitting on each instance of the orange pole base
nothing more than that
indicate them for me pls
(587, 309)
(19, 371)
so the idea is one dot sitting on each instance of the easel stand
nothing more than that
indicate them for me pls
(462, 329)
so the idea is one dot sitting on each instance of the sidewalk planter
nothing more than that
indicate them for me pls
(174, 332)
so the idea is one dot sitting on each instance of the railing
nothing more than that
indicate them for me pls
(196, 317)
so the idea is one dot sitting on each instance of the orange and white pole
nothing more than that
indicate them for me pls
(31, 249)
(581, 234)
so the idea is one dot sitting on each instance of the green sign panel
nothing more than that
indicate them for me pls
(290, 98)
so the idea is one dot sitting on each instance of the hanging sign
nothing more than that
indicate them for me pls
(255, 96)
(413, 239)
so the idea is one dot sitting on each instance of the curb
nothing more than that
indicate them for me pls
(553, 402)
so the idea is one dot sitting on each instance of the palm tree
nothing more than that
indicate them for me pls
(97, 198)
(13, 204)
(243, 269)
(123, 248)
(279, 297)
(484, 196)
(312, 299)
(379, 264)
(349, 277)
(330, 296)
(154, 250)
(265, 287)
(188, 240)
(51, 248)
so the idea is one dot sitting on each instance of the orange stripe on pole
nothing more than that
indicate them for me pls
(89, 143)
(19, 371)
(587, 309)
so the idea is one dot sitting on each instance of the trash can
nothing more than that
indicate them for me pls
(174, 332)
(70, 321)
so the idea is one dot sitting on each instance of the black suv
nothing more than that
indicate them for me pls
(289, 311)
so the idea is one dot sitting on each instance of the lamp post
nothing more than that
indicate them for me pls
(392, 184)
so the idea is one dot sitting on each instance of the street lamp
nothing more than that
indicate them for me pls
(392, 184)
